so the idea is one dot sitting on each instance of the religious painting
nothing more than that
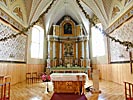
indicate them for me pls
(67, 28)
(68, 49)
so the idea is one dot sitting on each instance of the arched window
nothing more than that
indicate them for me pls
(37, 42)
(98, 46)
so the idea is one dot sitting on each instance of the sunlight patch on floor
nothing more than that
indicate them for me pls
(36, 98)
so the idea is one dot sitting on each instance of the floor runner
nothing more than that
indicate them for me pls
(68, 96)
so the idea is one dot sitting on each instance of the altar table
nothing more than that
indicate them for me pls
(68, 82)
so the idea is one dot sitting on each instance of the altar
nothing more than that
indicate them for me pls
(69, 82)
(67, 49)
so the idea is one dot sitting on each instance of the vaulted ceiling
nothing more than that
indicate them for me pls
(28, 11)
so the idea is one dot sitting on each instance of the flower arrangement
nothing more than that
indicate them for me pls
(46, 77)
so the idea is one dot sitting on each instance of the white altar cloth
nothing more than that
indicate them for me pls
(69, 76)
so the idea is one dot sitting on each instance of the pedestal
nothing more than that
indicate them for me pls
(95, 76)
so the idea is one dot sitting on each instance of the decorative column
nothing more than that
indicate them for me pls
(87, 49)
(82, 60)
(54, 26)
(48, 49)
(76, 49)
(60, 58)
(48, 60)
(54, 53)
(83, 49)
(54, 49)
(76, 60)
(87, 52)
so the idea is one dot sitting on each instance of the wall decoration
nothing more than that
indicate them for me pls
(117, 51)
(13, 49)
(126, 16)
(24, 30)
(18, 12)
(10, 20)
(115, 11)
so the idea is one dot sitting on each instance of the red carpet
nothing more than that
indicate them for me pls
(129, 98)
(67, 96)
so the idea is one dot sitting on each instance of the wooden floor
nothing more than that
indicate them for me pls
(37, 91)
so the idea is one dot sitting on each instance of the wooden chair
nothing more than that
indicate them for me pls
(7, 78)
(28, 77)
(2, 79)
(128, 91)
(34, 77)
(40, 76)
(1, 91)
(6, 91)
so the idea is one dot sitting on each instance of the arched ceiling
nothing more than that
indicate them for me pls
(67, 7)
(106, 10)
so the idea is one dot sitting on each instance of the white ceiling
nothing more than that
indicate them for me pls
(67, 7)
(32, 9)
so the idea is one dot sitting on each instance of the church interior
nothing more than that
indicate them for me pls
(66, 49)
